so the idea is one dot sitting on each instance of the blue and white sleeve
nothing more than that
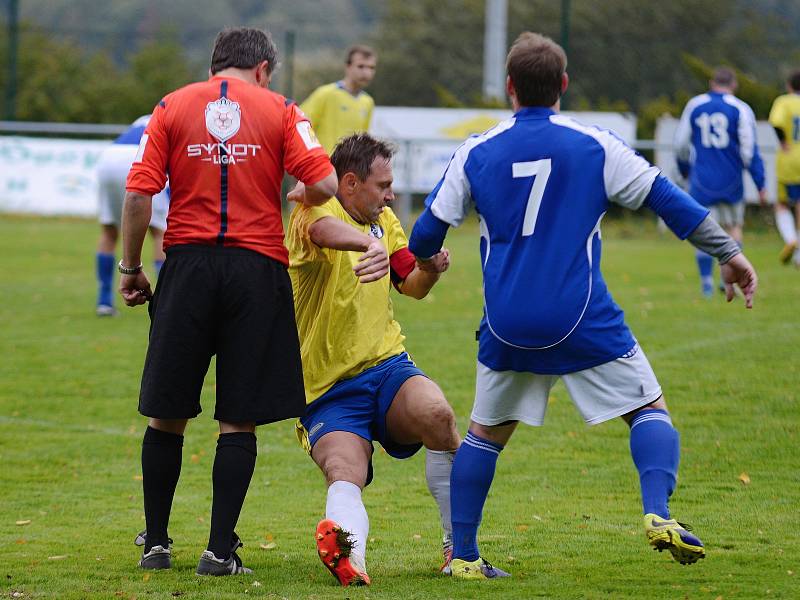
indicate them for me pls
(631, 181)
(627, 176)
(681, 213)
(747, 134)
(447, 205)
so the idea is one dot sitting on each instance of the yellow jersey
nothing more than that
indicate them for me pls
(335, 113)
(345, 326)
(785, 114)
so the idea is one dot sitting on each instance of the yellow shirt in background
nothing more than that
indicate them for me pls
(785, 114)
(345, 326)
(335, 113)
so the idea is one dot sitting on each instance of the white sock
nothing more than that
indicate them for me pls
(438, 464)
(345, 506)
(785, 223)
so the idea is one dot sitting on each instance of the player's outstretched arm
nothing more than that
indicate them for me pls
(688, 220)
(428, 235)
(330, 232)
(425, 275)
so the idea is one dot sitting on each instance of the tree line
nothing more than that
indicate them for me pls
(643, 57)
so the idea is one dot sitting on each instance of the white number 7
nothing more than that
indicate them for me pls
(540, 171)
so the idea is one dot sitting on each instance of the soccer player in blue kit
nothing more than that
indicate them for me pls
(715, 141)
(112, 171)
(541, 183)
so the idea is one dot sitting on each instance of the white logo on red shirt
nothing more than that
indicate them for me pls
(223, 118)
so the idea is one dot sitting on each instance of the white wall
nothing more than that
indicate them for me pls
(49, 176)
(57, 176)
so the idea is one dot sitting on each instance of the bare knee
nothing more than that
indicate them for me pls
(498, 434)
(343, 456)
(441, 432)
(108, 239)
(658, 404)
(241, 427)
(176, 426)
(336, 467)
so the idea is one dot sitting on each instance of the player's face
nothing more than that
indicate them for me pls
(376, 192)
(361, 70)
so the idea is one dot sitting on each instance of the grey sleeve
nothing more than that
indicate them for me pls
(712, 239)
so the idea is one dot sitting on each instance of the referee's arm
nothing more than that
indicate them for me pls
(136, 213)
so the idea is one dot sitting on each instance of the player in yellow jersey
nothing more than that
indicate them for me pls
(338, 109)
(360, 383)
(785, 118)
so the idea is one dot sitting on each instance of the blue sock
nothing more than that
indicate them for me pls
(105, 278)
(157, 264)
(705, 264)
(655, 448)
(470, 480)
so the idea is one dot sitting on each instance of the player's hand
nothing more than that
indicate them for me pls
(438, 263)
(739, 271)
(373, 264)
(135, 289)
(298, 194)
(762, 197)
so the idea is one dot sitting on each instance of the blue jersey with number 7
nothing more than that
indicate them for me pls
(541, 184)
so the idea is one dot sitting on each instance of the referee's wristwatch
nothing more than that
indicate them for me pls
(129, 270)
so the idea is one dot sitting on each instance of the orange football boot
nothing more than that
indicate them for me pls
(334, 546)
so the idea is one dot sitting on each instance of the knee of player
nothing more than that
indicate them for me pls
(441, 427)
(658, 404)
(341, 468)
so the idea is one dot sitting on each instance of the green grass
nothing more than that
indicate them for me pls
(564, 512)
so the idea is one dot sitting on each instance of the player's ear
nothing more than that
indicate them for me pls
(349, 182)
(564, 82)
(510, 87)
(263, 74)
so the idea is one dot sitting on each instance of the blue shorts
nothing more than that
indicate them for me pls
(359, 405)
(788, 193)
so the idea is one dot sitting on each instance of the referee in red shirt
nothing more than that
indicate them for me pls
(224, 288)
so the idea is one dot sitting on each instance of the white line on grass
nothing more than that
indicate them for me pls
(722, 340)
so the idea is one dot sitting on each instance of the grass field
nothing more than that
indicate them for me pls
(563, 515)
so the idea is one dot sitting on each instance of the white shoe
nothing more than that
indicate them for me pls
(104, 310)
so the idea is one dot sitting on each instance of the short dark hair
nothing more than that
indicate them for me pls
(358, 49)
(724, 76)
(356, 153)
(242, 48)
(536, 65)
(794, 80)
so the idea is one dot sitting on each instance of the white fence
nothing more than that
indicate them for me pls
(57, 176)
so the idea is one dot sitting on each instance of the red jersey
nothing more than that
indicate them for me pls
(225, 144)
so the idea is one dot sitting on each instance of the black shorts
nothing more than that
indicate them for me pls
(234, 303)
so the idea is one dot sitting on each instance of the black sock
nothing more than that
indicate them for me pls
(161, 468)
(233, 469)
